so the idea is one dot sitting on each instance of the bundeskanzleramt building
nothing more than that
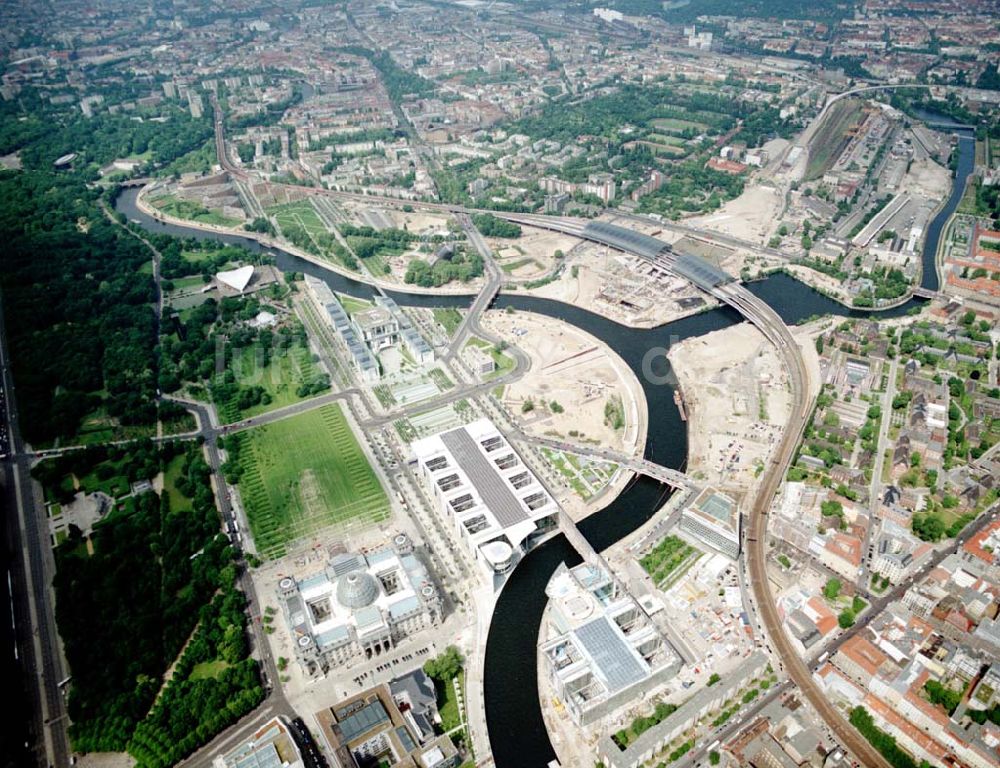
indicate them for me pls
(714, 519)
(358, 607)
(486, 492)
(362, 360)
(605, 651)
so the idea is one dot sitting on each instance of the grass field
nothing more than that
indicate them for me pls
(208, 669)
(449, 318)
(512, 265)
(300, 212)
(303, 474)
(171, 474)
(185, 209)
(352, 304)
(285, 371)
(661, 138)
(673, 125)
(451, 717)
(832, 136)
(199, 257)
(664, 149)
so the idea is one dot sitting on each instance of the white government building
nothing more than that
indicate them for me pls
(486, 492)
(602, 649)
(713, 518)
(358, 606)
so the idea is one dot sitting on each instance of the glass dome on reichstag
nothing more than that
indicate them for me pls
(357, 590)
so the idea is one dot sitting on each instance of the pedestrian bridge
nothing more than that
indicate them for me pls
(671, 477)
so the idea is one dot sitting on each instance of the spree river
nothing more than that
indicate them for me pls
(517, 732)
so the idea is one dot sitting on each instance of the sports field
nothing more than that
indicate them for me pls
(675, 125)
(304, 474)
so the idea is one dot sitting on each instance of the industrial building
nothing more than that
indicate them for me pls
(714, 519)
(487, 494)
(358, 606)
(370, 729)
(603, 649)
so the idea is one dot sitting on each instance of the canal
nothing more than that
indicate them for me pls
(966, 162)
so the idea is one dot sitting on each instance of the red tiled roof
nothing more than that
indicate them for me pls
(864, 654)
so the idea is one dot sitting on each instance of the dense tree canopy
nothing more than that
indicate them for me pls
(94, 347)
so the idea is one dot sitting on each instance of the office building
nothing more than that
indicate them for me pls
(369, 729)
(714, 519)
(270, 746)
(603, 650)
(362, 360)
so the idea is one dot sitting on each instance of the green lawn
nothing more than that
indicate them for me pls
(449, 318)
(208, 669)
(352, 305)
(660, 138)
(303, 474)
(281, 377)
(189, 283)
(114, 486)
(301, 213)
(674, 125)
(171, 474)
(200, 256)
(512, 265)
(448, 703)
(185, 209)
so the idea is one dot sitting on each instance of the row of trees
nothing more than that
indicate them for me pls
(459, 266)
(882, 741)
(213, 685)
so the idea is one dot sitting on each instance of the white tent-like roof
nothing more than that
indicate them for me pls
(237, 279)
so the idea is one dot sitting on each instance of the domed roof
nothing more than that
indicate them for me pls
(357, 589)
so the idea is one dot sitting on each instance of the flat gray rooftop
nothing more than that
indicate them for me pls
(699, 271)
(612, 655)
(363, 720)
(483, 474)
(624, 239)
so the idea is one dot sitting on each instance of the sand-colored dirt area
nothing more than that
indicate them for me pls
(577, 371)
(749, 217)
(622, 288)
(737, 400)
(532, 255)
(926, 180)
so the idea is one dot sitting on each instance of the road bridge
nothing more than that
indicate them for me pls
(490, 290)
